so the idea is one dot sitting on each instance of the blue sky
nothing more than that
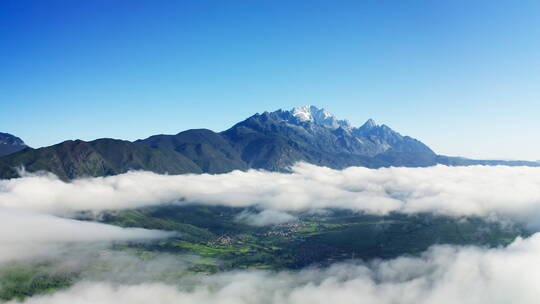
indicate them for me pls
(462, 76)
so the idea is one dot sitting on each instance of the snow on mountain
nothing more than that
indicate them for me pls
(369, 124)
(319, 117)
(302, 113)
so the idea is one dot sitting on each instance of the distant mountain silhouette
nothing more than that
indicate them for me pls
(10, 144)
(272, 141)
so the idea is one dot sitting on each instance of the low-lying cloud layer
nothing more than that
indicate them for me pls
(25, 234)
(30, 225)
(512, 192)
(444, 274)
(265, 217)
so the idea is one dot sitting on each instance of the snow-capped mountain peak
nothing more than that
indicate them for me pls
(370, 123)
(319, 117)
(303, 113)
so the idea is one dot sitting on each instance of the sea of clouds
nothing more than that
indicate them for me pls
(484, 191)
(35, 212)
(442, 275)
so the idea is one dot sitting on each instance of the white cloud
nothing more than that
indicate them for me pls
(512, 192)
(265, 217)
(27, 235)
(444, 274)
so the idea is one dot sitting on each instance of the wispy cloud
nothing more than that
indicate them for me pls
(265, 217)
(28, 235)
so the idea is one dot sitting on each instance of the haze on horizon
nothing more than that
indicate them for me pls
(460, 76)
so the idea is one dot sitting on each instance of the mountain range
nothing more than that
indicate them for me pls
(272, 141)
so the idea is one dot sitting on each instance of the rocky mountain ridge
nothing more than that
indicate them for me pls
(271, 141)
